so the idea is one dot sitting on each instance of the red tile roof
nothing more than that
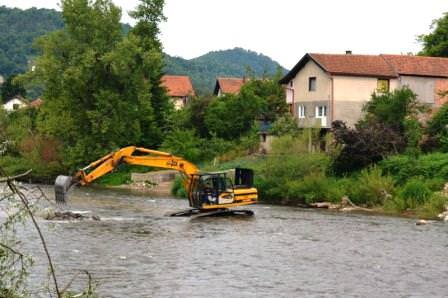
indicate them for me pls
(178, 86)
(229, 85)
(364, 65)
(418, 65)
(374, 65)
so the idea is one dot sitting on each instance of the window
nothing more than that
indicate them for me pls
(312, 84)
(291, 83)
(301, 112)
(382, 85)
(321, 111)
(15, 106)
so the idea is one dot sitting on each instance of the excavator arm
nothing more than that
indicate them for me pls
(129, 155)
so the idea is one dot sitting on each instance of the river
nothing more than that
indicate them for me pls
(136, 251)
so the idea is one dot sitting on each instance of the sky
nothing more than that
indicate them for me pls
(286, 29)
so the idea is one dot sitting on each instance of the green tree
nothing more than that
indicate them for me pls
(436, 43)
(11, 88)
(101, 89)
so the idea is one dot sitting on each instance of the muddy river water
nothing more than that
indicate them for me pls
(136, 251)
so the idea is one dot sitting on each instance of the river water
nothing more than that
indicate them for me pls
(136, 251)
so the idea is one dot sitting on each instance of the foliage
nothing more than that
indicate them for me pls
(205, 69)
(102, 89)
(122, 175)
(428, 166)
(229, 117)
(436, 42)
(177, 189)
(269, 93)
(363, 146)
(435, 205)
(393, 108)
(19, 29)
(371, 188)
(285, 125)
(304, 141)
(11, 88)
(273, 173)
(438, 128)
(315, 187)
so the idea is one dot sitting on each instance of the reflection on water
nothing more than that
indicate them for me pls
(135, 251)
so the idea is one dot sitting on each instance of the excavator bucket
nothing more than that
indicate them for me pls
(61, 187)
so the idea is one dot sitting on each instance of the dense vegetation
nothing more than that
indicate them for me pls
(19, 29)
(205, 69)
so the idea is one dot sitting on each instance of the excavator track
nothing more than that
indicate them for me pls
(198, 213)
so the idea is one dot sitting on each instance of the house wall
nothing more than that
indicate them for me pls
(440, 87)
(311, 99)
(300, 84)
(424, 87)
(179, 102)
(9, 105)
(351, 93)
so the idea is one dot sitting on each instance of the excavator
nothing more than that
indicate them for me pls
(209, 194)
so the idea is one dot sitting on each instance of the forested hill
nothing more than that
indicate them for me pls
(205, 69)
(21, 27)
(18, 30)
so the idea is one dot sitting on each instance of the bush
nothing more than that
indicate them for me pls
(428, 166)
(177, 189)
(306, 141)
(285, 125)
(414, 193)
(372, 188)
(368, 144)
(315, 187)
(274, 173)
(435, 205)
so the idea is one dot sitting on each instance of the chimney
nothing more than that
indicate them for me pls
(348, 52)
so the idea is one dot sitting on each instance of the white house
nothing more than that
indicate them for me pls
(15, 104)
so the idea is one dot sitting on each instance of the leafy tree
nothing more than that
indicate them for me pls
(269, 93)
(438, 130)
(100, 87)
(436, 42)
(11, 88)
(231, 116)
(393, 108)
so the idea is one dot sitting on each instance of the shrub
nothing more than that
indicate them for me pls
(177, 189)
(372, 187)
(404, 167)
(414, 193)
(368, 144)
(285, 125)
(314, 187)
(435, 205)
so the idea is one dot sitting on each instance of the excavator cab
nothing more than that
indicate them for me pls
(217, 190)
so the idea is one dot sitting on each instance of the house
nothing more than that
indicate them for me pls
(228, 86)
(15, 103)
(322, 88)
(179, 88)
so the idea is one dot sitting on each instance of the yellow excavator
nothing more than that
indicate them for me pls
(209, 194)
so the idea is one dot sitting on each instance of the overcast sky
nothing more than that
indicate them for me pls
(287, 29)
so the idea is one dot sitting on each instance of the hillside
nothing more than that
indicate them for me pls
(21, 27)
(237, 62)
